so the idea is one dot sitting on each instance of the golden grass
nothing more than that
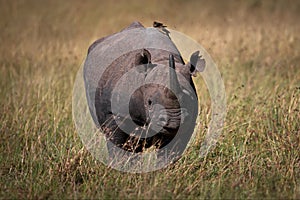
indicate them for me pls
(256, 45)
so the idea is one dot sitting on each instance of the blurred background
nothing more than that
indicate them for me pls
(256, 45)
(236, 29)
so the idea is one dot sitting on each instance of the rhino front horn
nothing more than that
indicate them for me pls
(174, 84)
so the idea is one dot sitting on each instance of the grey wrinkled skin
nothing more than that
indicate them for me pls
(155, 109)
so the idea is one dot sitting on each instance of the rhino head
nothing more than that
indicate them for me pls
(168, 99)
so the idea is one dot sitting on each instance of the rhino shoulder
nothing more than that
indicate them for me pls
(133, 25)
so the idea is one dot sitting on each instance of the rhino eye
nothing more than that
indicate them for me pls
(149, 102)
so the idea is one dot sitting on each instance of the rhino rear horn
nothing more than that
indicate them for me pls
(174, 84)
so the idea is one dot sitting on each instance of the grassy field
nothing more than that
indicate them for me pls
(256, 45)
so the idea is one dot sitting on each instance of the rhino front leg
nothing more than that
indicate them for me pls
(115, 141)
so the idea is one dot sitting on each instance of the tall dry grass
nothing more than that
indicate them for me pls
(256, 46)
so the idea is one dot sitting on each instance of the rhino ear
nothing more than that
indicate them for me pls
(142, 60)
(143, 57)
(196, 64)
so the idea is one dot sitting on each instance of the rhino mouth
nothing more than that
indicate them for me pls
(169, 130)
(167, 121)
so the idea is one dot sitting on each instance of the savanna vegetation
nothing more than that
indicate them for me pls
(256, 45)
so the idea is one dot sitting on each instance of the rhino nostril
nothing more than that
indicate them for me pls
(162, 118)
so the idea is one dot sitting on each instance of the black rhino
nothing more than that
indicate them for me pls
(140, 92)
